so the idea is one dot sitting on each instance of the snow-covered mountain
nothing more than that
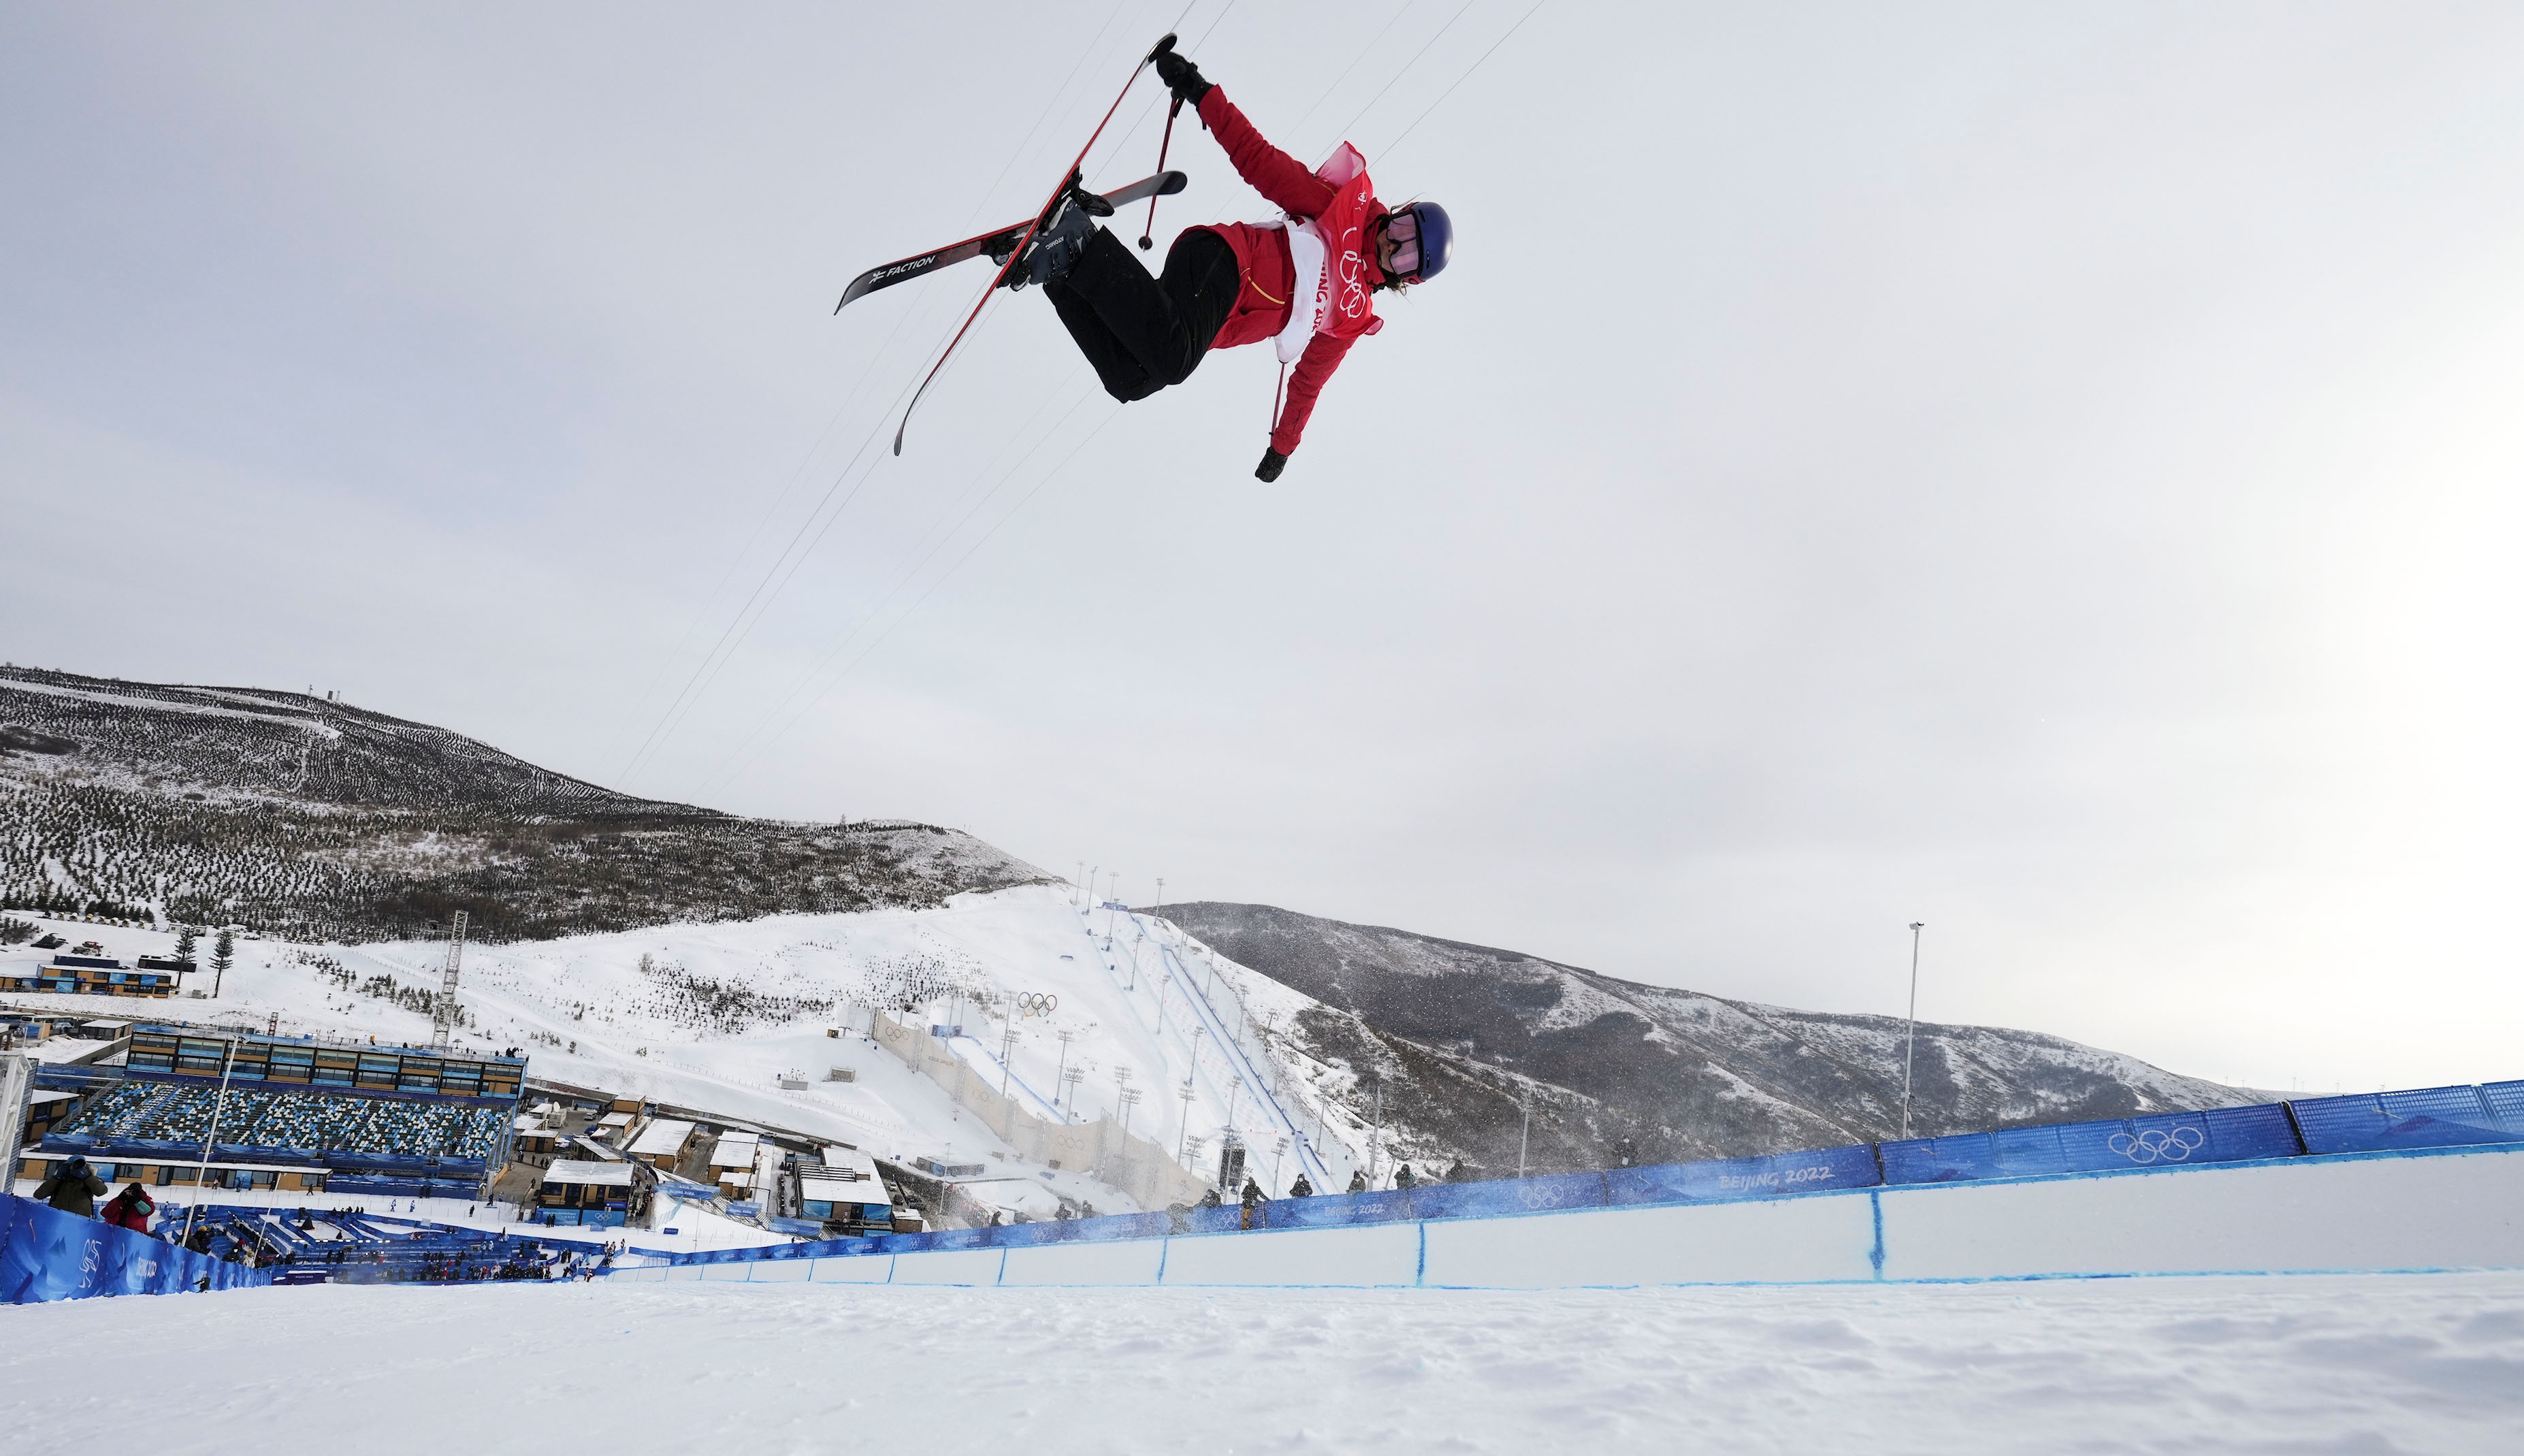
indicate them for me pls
(306, 817)
(678, 952)
(1460, 1034)
(1023, 985)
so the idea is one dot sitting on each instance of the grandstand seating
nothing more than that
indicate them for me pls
(355, 1248)
(311, 1120)
(430, 1130)
(186, 1116)
(158, 1112)
(361, 1136)
(104, 1114)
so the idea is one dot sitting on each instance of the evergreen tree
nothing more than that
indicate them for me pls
(185, 941)
(223, 956)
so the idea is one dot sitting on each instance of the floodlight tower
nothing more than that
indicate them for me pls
(442, 1021)
(1911, 1036)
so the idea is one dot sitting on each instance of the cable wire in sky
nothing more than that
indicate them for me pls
(775, 579)
(909, 611)
(1467, 76)
(1406, 69)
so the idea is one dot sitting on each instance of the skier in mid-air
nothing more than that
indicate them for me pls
(1305, 282)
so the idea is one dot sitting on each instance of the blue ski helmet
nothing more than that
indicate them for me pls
(1423, 235)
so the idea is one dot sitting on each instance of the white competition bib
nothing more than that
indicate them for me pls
(1305, 290)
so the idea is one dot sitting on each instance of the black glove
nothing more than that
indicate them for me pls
(1182, 78)
(1269, 470)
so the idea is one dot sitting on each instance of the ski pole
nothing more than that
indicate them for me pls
(1148, 234)
(1070, 179)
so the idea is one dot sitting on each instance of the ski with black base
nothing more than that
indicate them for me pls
(995, 245)
(1059, 194)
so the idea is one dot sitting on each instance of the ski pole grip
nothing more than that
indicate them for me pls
(1162, 46)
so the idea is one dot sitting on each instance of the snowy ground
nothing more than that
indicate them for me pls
(2429, 1363)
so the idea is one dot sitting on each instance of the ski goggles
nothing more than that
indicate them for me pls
(1402, 228)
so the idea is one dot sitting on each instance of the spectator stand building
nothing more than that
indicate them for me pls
(296, 1115)
(842, 1192)
(45, 1106)
(733, 1162)
(664, 1144)
(88, 971)
(581, 1192)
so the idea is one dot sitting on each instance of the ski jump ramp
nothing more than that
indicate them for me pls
(2405, 1210)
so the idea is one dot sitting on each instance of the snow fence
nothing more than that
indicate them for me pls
(46, 1254)
(2393, 1180)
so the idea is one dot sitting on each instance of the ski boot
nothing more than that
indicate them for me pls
(1061, 237)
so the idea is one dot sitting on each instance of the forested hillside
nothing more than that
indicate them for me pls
(312, 819)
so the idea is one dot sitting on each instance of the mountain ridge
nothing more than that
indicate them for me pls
(309, 819)
(1459, 1033)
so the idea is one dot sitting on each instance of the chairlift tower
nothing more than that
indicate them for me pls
(442, 1021)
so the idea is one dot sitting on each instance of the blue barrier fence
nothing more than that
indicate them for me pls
(2377, 1122)
(46, 1254)
(2225, 1135)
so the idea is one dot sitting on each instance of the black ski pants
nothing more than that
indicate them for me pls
(1143, 333)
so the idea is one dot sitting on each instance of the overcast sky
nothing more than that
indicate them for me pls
(2046, 471)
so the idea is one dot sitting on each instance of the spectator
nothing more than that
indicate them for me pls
(72, 1187)
(199, 1241)
(130, 1210)
(1357, 1180)
(1252, 1199)
(1403, 1177)
(1207, 1200)
(1462, 1172)
(1301, 1189)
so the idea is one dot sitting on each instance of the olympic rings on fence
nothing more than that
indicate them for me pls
(1036, 1003)
(2172, 1146)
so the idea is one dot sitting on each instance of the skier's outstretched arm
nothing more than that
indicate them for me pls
(1322, 354)
(1289, 183)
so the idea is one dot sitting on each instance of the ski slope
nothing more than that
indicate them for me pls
(2387, 1363)
(714, 1016)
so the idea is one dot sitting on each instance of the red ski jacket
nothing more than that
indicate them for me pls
(130, 1213)
(1261, 308)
